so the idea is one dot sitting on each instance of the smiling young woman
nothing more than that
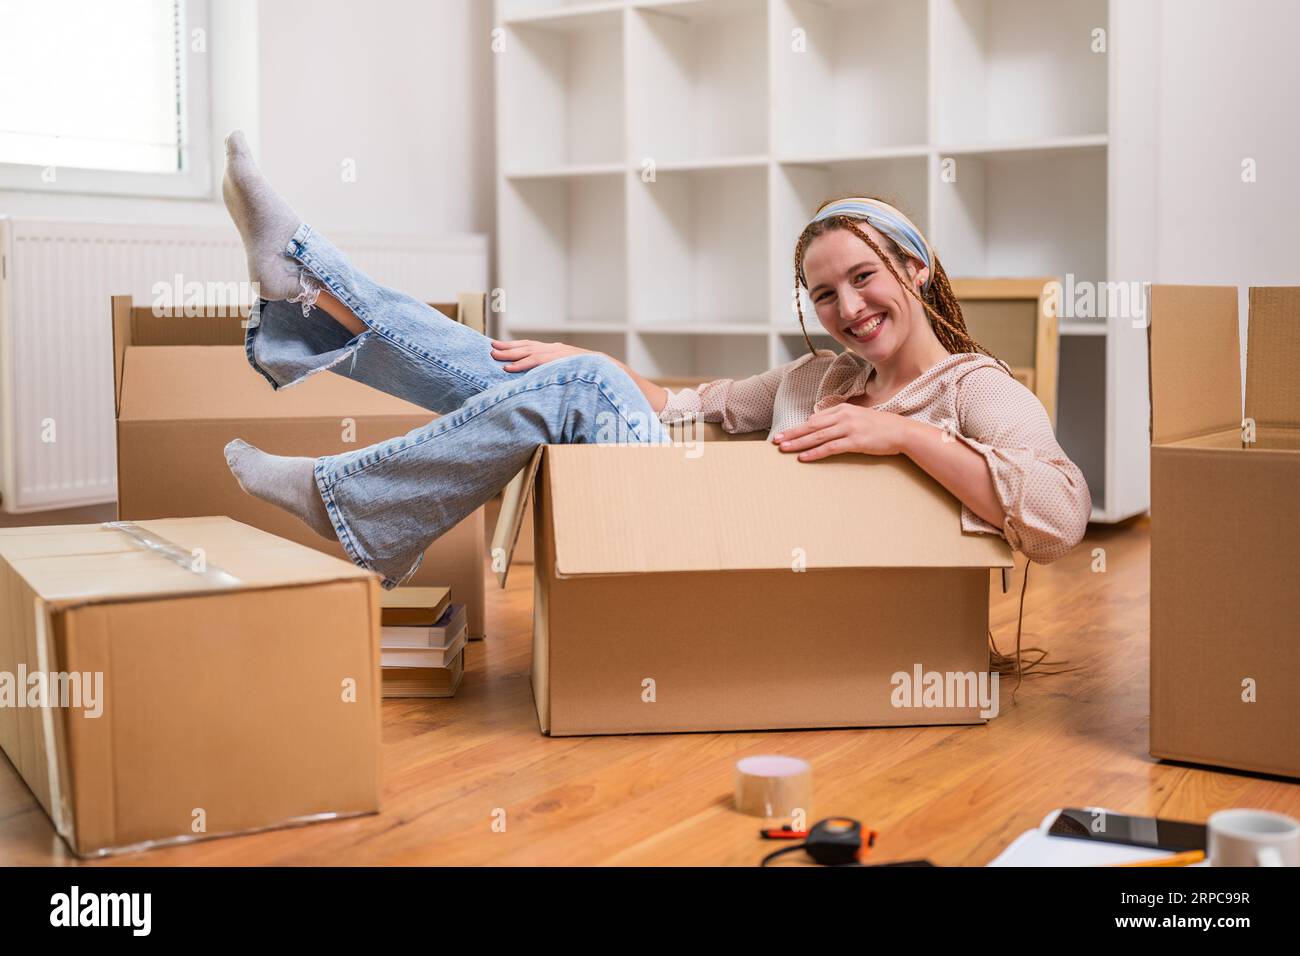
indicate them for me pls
(911, 381)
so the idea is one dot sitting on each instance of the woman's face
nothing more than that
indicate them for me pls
(853, 290)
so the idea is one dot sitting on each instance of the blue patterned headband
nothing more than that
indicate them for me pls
(888, 221)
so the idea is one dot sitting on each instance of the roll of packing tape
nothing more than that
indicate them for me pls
(770, 786)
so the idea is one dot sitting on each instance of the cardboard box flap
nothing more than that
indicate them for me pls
(1195, 356)
(514, 499)
(121, 339)
(749, 506)
(79, 564)
(139, 326)
(1272, 356)
(192, 382)
(470, 310)
(207, 324)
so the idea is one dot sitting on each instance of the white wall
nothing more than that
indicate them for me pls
(1204, 86)
(1228, 78)
(403, 87)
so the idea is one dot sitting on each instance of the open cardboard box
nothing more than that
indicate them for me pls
(239, 683)
(1225, 529)
(184, 389)
(719, 584)
(1015, 319)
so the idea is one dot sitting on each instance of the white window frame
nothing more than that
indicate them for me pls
(193, 180)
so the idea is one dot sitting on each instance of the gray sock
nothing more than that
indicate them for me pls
(266, 223)
(288, 483)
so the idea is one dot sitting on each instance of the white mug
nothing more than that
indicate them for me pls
(1253, 838)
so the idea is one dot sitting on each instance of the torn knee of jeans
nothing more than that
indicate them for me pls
(348, 353)
(344, 354)
(309, 290)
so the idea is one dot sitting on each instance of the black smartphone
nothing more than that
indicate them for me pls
(1105, 827)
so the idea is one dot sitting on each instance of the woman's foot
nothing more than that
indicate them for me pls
(288, 483)
(265, 222)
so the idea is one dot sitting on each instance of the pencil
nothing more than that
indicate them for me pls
(1186, 858)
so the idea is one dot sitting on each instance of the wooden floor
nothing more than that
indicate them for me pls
(954, 795)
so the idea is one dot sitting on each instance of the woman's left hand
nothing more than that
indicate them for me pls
(523, 354)
(845, 428)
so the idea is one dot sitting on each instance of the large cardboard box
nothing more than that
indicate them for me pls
(1225, 529)
(184, 389)
(723, 585)
(238, 680)
(1014, 318)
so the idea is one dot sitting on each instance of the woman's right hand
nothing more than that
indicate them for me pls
(523, 354)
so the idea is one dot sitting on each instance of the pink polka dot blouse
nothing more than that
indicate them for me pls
(1043, 493)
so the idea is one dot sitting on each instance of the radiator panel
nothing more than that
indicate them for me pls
(56, 350)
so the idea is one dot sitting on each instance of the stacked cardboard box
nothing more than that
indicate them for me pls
(205, 678)
(1225, 529)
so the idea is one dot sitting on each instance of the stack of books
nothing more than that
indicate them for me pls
(423, 642)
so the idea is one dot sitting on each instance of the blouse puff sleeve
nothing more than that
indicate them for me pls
(740, 405)
(1043, 493)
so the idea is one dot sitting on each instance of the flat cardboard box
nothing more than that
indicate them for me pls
(1225, 517)
(185, 388)
(668, 572)
(222, 708)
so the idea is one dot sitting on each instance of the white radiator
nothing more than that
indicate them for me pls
(56, 344)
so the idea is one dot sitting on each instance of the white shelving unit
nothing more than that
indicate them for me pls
(657, 161)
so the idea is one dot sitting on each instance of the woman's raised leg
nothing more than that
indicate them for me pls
(401, 346)
(387, 502)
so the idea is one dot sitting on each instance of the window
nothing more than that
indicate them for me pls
(104, 96)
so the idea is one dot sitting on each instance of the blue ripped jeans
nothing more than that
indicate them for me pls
(390, 500)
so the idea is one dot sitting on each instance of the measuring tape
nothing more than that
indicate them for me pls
(835, 841)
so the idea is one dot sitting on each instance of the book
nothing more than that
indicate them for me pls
(424, 681)
(453, 621)
(413, 607)
(402, 656)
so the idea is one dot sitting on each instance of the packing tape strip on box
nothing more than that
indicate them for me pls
(60, 815)
(174, 552)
